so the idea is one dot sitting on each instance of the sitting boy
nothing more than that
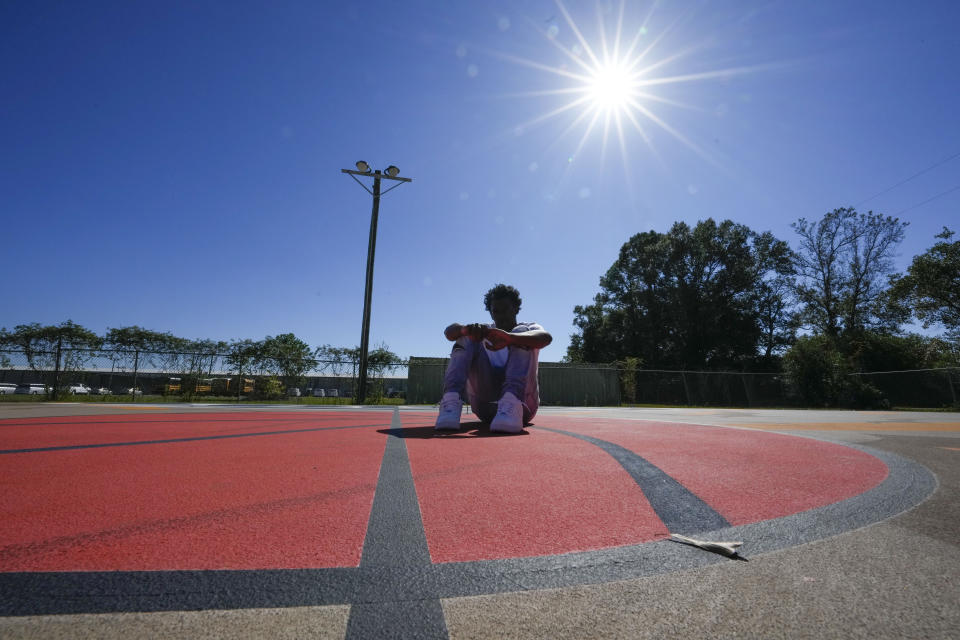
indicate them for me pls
(497, 364)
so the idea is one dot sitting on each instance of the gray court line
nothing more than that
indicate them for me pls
(395, 541)
(70, 447)
(678, 507)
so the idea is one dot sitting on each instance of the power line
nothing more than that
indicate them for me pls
(928, 200)
(906, 180)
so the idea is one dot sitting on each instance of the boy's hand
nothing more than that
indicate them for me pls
(498, 339)
(475, 332)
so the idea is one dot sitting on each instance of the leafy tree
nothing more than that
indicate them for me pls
(380, 361)
(137, 338)
(6, 341)
(288, 357)
(122, 345)
(841, 266)
(337, 360)
(54, 348)
(931, 286)
(688, 298)
(816, 370)
(825, 375)
(269, 389)
(627, 370)
(244, 356)
(776, 315)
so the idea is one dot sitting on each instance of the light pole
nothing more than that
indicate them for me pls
(390, 173)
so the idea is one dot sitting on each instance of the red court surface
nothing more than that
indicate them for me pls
(541, 494)
(289, 500)
(546, 493)
(295, 489)
(744, 475)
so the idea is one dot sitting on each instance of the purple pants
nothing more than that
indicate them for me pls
(485, 384)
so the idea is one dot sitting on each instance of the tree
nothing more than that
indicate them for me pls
(688, 298)
(54, 348)
(841, 267)
(816, 369)
(931, 286)
(244, 355)
(825, 376)
(336, 360)
(136, 348)
(288, 357)
(380, 361)
(6, 341)
(136, 338)
(777, 317)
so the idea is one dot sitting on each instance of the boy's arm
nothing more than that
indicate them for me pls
(535, 339)
(475, 332)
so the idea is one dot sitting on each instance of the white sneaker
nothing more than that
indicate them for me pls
(450, 408)
(509, 418)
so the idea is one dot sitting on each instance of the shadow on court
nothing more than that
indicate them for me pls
(475, 429)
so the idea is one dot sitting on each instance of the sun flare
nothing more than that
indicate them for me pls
(612, 80)
(611, 87)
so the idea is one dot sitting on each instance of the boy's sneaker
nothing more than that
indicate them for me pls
(450, 407)
(509, 418)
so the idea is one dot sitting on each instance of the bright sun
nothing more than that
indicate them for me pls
(611, 87)
(612, 81)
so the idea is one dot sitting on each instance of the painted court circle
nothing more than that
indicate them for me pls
(374, 509)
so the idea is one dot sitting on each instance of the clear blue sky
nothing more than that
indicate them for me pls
(177, 165)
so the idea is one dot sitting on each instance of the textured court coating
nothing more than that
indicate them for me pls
(373, 509)
(289, 500)
(284, 490)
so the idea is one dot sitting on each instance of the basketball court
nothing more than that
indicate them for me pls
(363, 522)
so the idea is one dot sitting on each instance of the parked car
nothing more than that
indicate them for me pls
(7, 388)
(134, 392)
(293, 392)
(318, 393)
(333, 393)
(101, 391)
(78, 388)
(32, 388)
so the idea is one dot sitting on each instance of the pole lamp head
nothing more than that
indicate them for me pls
(363, 167)
(392, 171)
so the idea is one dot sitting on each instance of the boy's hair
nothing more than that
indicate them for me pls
(501, 291)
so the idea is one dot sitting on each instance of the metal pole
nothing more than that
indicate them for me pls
(368, 292)
(56, 373)
(953, 394)
(136, 364)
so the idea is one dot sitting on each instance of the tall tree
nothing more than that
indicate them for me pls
(842, 265)
(244, 355)
(338, 360)
(688, 298)
(288, 357)
(54, 348)
(931, 286)
(135, 346)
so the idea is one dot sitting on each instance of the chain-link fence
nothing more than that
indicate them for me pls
(572, 385)
(174, 376)
(177, 376)
(579, 384)
(916, 387)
